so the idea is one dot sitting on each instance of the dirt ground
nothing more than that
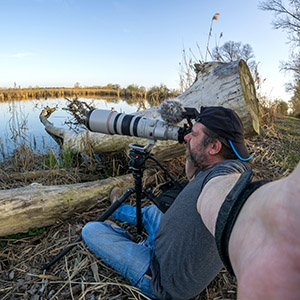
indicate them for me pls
(81, 275)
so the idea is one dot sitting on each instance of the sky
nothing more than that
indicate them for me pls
(56, 43)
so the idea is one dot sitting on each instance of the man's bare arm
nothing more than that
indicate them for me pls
(265, 240)
(212, 197)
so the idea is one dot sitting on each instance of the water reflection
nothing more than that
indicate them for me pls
(19, 120)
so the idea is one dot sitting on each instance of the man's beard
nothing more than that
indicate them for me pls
(196, 159)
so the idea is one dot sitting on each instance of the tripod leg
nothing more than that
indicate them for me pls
(138, 175)
(139, 223)
(102, 218)
(115, 205)
(61, 254)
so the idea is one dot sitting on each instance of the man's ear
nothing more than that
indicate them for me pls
(215, 147)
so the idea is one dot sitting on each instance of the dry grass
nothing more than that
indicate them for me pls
(26, 166)
(81, 275)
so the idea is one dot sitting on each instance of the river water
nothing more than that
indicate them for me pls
(20, 123)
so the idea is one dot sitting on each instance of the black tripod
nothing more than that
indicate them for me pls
(138, 156)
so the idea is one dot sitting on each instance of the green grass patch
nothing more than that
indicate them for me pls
(36, 231)
(292, 118)
(14, 238)
(288, 151)
(65, 159)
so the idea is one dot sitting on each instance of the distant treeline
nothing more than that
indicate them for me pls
(153, 95)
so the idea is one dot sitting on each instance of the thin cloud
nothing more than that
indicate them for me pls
(22, 54)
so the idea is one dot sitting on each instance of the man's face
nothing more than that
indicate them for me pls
(196, 153)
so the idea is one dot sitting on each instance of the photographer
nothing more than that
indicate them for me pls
(180, 256)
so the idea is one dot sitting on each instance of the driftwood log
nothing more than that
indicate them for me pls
(226, 84)
(217, 84)
(38, 206)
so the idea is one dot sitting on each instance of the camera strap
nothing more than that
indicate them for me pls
(229, 212)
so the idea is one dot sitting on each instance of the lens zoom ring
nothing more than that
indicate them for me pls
(126, 124)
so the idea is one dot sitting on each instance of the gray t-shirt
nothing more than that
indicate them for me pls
(185, 259)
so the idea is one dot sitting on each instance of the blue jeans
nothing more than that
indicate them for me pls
(115, 247)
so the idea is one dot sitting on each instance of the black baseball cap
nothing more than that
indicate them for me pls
(227, 124)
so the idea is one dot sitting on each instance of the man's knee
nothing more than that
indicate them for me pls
(151, 210)
(102, 231)
(90, 229)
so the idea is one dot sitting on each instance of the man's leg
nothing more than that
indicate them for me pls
(116, 249)
(151, 216)
(264, 245)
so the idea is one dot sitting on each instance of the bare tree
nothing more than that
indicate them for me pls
(231, 51)
(287, 18)
(295, 100)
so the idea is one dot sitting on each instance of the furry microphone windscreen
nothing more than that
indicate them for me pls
(171, 111)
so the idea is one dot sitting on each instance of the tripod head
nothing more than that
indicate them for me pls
(138, 155)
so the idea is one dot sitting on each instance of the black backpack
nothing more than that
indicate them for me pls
(170, 190)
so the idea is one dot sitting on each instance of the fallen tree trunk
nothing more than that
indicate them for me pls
(39, 206)
(217, 84)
